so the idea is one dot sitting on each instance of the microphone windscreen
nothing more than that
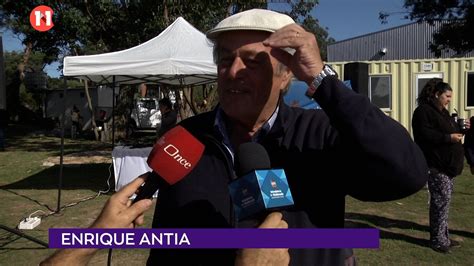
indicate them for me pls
(175, 154)
(251, 156)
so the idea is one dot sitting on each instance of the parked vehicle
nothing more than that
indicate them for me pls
(145, 115)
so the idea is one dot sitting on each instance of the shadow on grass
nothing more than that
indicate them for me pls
(10, 249)
(81, 176)
(52, 144)
(359, 220)
(20, 137)
(8, 237)
(384, 234)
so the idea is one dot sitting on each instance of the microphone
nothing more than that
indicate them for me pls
(174, 155)
(258, 188)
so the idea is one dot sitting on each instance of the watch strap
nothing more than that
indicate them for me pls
(327, 71)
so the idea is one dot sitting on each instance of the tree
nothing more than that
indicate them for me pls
(90, 27)
(300, 12)
(15, 92)
(20, 98)
(458, 18)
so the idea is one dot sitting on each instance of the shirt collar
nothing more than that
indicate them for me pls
(221, 128)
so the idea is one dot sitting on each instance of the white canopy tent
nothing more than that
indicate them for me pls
(180, 55)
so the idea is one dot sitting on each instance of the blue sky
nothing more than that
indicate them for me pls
(350, 18)
(343, 18)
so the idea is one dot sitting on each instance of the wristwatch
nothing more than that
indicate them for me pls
(327, 71)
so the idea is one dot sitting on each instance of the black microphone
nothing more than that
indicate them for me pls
(251, 156)
(258, 188)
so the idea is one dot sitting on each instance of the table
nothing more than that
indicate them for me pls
(129, 163)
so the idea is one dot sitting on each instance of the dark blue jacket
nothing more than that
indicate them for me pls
(350, 148)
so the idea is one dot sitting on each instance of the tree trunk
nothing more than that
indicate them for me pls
(188, 96)
(180, 105)
(211, 95)
(13, 89)
(89, 104)
(165, 13)
(26, 57)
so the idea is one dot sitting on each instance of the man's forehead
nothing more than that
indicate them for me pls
(250, 36)
(248, 42)
(234, 40)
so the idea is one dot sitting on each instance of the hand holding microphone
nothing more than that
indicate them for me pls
(258, 189)
(172, 158)
(119, 213)
(174, 155)
(255, 193)
(265, 256)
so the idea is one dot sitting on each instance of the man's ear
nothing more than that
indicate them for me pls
(286, 76)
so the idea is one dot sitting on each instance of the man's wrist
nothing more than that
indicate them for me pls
(80, 256)
(318, 79)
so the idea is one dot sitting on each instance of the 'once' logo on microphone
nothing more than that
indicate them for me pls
(173, 151)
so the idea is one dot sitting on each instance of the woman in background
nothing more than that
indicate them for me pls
(438, 135)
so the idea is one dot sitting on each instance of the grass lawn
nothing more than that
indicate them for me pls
(27, 186)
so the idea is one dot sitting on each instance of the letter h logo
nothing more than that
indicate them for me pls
(41, 18)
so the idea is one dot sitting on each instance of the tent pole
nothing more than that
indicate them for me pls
(21, 234)
(113, 112)
(61, 157)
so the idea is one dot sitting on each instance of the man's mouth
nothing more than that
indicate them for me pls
(236, 91)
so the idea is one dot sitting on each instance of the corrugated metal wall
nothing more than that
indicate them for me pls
(404, 76)
(405, 42)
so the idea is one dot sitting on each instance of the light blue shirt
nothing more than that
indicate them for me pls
(220, 127)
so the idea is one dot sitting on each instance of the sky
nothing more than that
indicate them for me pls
(343, 19)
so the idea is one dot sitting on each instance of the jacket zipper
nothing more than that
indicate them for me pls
(230, 172)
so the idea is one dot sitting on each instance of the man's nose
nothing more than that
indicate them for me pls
(236, 68)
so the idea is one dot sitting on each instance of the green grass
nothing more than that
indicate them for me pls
(27, 186)
(404, 227)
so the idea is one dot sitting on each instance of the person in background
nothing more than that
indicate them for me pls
(76, 119)
(469, 145)
(349, 147)
(99, 122)
(168, 116)
(439, 136)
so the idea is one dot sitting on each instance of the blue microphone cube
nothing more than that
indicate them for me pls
(260, 190)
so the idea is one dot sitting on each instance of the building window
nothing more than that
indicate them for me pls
(470, 89)
(380, 91)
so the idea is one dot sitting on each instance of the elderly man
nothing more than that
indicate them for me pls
(350, 148)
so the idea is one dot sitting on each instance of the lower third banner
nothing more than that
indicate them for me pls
(213, 238)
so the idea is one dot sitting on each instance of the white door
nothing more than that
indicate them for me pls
(421, 80)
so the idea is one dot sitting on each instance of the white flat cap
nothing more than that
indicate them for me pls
(254, 19)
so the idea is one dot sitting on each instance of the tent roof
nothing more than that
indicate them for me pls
(180, 55)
